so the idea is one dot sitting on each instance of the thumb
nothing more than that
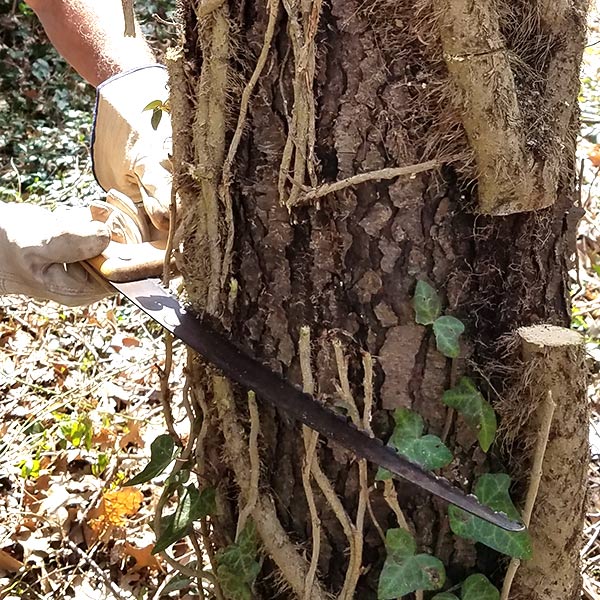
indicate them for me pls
(155, 184)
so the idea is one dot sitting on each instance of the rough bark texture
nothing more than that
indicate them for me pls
(555, 360)
(266, 265)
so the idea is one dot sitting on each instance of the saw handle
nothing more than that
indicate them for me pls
(130, 262)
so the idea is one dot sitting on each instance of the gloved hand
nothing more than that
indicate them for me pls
(127, 153)
(127, 222)
(39, 252)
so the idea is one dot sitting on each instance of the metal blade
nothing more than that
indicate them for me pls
(165, 309)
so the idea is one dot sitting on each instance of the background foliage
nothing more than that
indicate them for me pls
(46, 109)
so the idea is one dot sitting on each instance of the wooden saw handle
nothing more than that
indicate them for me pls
(130, 262)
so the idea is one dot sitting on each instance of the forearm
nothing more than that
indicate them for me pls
(89, 34)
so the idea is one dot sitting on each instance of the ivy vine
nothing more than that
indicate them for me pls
(404, 570)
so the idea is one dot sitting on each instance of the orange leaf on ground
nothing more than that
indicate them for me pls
(594, 155)
(114, 507)
(143, 556)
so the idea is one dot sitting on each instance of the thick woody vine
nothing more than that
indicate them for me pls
(233, 568)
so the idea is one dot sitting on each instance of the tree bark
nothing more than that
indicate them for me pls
(271, 100)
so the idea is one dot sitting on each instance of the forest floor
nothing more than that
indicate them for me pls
(81, 396)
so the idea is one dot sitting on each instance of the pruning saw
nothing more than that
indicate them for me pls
(134, 269)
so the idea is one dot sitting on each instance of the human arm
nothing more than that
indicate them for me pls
(128, 154)
(89, 34)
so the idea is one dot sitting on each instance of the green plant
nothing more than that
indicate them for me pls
(404, 570)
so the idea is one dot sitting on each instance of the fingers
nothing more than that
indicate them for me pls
(155, 187)
(72, 285)
(126, 227)
(75, 237)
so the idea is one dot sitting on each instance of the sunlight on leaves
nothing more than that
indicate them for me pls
(162, 453)
(474, 408)
(404, 571)
(78, 432)
(143, 557)
(193, 505)
(115, 507)
(427, 304)
(492, 490)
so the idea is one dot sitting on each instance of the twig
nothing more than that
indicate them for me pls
(129, 17)
(199, 561)
(165, 391)
(391, 497)
(547, 413)
(450, 411)
(237, 136)
(592, 540)
(96, 568)
(303, 22)
(588, 592)
(275, 540)
(254, 464)
(368, 391)
(547, 408)
(346, 392)
(166, 276)
(211, 556)
(311, 439)
(356, 542)
(367, 412)
(377, 175)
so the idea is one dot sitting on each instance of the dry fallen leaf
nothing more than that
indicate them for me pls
(9, 563)
(114, 507)
(143, 556)
(103, 439)
(132, 436)
(594, 155)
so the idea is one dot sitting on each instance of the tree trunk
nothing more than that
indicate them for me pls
(269, 102)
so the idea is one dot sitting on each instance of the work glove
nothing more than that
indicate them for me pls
(127, 222)
(40, 251)
(128, 154)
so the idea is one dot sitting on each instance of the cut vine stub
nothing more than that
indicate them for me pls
(554, 362)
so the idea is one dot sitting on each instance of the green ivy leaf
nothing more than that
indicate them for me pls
(79, 432)
(427, 451)
(478, 587)
(447, 330)
(409, 425)
(157, 114)
(492, 490)
(176, 584)
(238, 565)
(404, 571)
(427, 304)
(153, 105)
(477, 412)
(193, 505)
(445, 596)
(162, 453)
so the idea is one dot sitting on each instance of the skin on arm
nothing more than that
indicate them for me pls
(89, 34)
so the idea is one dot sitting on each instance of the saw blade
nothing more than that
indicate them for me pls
(150, 296)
